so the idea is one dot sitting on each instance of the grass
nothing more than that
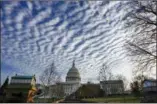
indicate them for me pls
(47, 100)
(116, 99)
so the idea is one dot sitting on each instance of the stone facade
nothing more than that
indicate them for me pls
(111, 87)
(149, 91)
(70, 86)
(19, 88)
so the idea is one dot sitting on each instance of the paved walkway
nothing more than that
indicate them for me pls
(74, 101)
(58, 101)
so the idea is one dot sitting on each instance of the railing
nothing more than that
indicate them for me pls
(151, 88)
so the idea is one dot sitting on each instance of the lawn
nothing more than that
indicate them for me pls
(116, 99)
(47, 100)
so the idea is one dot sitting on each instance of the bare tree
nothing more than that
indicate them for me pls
(125, 82)
(105, 73)
(123, 78)
(49, 77)
(142, 44)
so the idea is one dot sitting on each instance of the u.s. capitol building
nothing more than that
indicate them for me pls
(72, 83)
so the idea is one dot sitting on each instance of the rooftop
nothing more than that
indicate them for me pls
(150, 80)
(112, 81)
(21, 77)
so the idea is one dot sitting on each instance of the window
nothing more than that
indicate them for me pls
(15, 81)
(26, 81)
(22, 81)
(18, 81)
(12, 81)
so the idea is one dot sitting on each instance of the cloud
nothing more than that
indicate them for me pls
(40, 17)
(91, 33)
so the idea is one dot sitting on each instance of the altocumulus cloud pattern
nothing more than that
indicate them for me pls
(36, 33)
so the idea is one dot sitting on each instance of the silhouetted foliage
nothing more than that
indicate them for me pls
(140, 78)
(135, 88)
(88, 91)
(39, 91)
(5, 84)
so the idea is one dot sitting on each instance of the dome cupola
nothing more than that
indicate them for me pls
(73, 74)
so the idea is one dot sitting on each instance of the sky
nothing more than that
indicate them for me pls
(36, 33)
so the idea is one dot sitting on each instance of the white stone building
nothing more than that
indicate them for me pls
(71, 85)
(112, 87)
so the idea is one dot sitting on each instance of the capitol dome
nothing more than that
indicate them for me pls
(73, 74)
